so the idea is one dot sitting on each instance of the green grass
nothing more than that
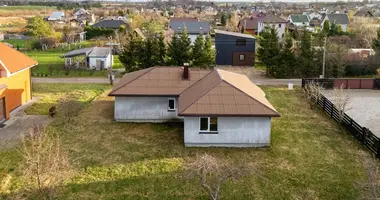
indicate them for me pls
(309, 155)
(16, 43)
(52, 58)
(27, 7)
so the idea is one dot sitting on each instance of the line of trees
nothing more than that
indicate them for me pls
(138, 54)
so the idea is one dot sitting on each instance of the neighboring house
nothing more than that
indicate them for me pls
(315, 15)
(56, 16)
(363, 13)
(80, 13)
(339, 19)
(111, 24)
(315, 22)
(98, 58)
(235, 49)
(184, 19)
(299, 20)
(138, 33)
(250, 24)
(194, 28)
(15, 81)
(218, 108)
(272, 20)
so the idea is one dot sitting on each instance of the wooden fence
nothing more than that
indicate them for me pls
(347, 83)
(364, 135)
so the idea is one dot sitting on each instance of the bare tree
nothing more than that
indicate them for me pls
(371, 188)
(69, 107)
(313, 92)
(44, 162)
(342, 100)
(213, 173)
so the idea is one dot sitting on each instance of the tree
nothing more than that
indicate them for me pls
(376, 42)
(269, 48)
(326, 26)
(242, 29)
(150, 53)
(313, 92)
(306, 54)
(131, 54)
(197, 53)
(179, 49)
(213, 173)
(209, 53)
(342, 100)
(39, 28)
(173, 50)
(287, 59)
(161, 60)
(335, 64)
(223, 20)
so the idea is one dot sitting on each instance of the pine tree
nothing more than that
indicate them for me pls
(242, 29)
(269, 48)
(185, 48)
(223, 20)
(209, 53)
(376, 45)
(173, 50)
(197, 52)
(150, 55)
(130, 54)
(161, 50)
(287, 59)
(306, 65)
(326, 26)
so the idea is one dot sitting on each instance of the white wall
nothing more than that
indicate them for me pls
(108, 62)
(344, 27)
(193, 37)
(280, 30)
(232, 132)
(143, 109)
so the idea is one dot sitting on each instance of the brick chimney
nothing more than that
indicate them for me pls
(186, 73)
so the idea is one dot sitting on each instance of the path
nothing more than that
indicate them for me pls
(20, 123)
(261, 81)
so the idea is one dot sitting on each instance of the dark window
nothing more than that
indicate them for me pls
(241, 42)
(279, 25)
(213, 124)
(241, 57)
(171, 104)
(204, 124)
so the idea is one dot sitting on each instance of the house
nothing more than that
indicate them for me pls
(194, 28)
(299, 20)
(111, 24)
(99, 58)
(272, 20)
(314, 15)
(218, 108)
(15, 81)
(339, 19)
(315, 22)
(80, 13)
(250, 24)
(56, 16)
(363, 13)
(235, 49)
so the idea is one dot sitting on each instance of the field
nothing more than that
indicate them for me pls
(12, 24)
(24, 11)
(53, 59)
(310, 156)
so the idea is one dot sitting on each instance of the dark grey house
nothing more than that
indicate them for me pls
(194, 28)
(111, 24)
(235, 49)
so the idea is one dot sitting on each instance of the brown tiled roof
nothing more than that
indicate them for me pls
(249, 23)
(156, 81)
(272, 19)
(207, 93)
(13, 60)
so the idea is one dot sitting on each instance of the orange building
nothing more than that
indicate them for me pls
(15, 81)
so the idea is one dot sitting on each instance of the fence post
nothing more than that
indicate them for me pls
(365, 131)
(332, 110)
(378, 149)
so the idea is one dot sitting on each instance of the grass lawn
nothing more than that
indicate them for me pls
(310, 156)
(52, 58)
(15, 42)
(28, 7)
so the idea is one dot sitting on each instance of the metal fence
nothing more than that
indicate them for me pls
(347, 83)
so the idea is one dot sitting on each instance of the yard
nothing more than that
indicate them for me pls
(52, 58)
(310, 156)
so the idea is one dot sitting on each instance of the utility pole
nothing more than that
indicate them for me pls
(324, 58)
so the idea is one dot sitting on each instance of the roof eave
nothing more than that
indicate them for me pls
(227, 115)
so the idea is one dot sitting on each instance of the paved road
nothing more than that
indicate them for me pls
(296, 82)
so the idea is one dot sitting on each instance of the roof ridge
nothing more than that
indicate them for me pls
(114, 90)
(250, 96)
(195, 82)
(204, 92)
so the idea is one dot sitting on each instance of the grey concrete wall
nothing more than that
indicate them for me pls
(232, 132)
(143, 109)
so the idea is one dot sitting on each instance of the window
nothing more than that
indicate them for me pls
(279, 25)
(171, 106)
(208, 124)
(241, 57)
(241, 42)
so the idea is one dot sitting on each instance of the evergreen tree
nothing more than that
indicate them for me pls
(326, 26)
(223, 20)
(130, 54)
(376, 46)
(208, 53)
(306, 64)
(173, 50)
(185, 48)
(150, 53)
(161, 50)
(242, 29)
(197, 53)
(287, 59)
(269, 48)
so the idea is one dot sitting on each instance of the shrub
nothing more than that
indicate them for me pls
(361, 70)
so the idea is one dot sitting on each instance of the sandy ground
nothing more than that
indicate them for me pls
(365, 108)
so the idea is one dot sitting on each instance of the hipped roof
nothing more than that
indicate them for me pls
(13, 61)
(207, 93)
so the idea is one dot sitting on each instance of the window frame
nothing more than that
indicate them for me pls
(239, 42)
(240, 57)
(208, 131)
(171, 109)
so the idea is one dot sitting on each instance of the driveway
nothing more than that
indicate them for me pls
(20, 123)
(364, 108)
